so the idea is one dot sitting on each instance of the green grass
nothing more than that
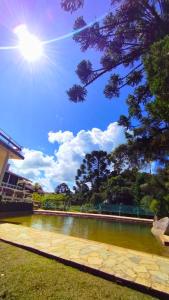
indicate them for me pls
(75, 208)
(25, 275)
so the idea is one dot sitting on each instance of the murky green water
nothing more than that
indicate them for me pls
(128, 235)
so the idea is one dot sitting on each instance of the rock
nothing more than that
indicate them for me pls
(161, 226)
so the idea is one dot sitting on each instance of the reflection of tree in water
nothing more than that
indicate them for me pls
(68, 224)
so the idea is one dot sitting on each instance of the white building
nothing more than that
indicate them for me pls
(13, 188)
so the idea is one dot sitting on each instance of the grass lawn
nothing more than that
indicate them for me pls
(25, 275)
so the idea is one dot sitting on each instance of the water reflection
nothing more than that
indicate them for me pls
(128, 235)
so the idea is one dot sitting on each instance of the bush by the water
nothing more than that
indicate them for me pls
(52, 201)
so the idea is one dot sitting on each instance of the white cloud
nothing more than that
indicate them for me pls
(60, 137)
(62, 166)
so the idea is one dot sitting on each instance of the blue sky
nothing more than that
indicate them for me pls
(34, 100)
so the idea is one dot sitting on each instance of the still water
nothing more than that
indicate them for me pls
(128, 235)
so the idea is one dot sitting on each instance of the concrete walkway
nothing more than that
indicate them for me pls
(137, 269)
(93, 216)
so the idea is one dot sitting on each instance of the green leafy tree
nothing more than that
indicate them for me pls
(119, 188)
(54, 201)
(157, 67)
(155, 206)
(141, 178)
(125, 157)
(94, 169)
(80, 198)
(81, 193)
(38, 188)
(37, 197)
(156, 190)
(62, 189)
(123, 36)
(125, 39)
(97, 198)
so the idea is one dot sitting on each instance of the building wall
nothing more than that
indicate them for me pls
(15, 207)
(3, 162)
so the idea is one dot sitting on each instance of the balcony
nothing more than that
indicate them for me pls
(14, 193)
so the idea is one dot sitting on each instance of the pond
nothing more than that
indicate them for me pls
(127, 235)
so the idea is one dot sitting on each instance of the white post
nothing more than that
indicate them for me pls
(13, 196)
(9, 177)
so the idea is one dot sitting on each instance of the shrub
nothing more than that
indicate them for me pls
(37, 197)
(54, 201)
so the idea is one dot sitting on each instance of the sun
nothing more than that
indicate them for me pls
(29, 45)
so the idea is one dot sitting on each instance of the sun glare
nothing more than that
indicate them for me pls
(29, 45)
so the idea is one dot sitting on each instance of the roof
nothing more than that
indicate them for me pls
(14, 149)
(20, 177)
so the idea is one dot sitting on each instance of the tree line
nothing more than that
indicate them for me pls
(99, 181)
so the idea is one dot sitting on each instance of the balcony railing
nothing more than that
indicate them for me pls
(10, 199)
(25, 197)
(11, 186)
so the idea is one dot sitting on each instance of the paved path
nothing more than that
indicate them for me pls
(93, 216)
(150, 271)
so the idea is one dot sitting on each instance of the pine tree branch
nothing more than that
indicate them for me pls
(134, 69)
